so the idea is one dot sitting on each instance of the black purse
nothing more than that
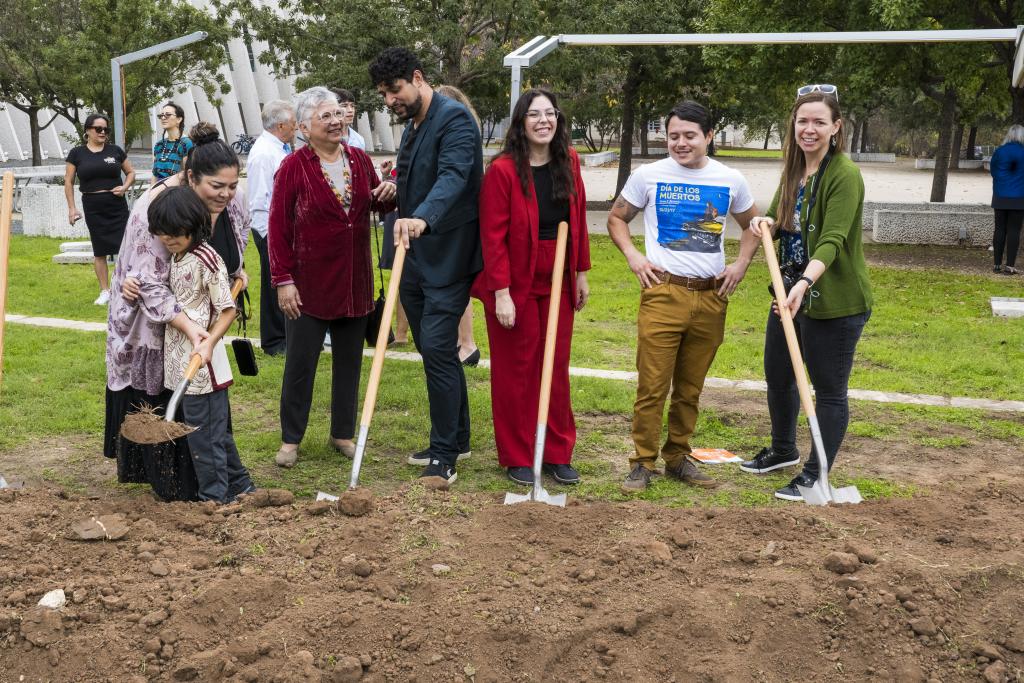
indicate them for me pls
(376, 316)
(245, 355)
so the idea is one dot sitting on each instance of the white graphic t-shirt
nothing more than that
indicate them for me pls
(685, 210)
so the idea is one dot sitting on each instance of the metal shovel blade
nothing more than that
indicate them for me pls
(823, 493)
(536, 494)
(357, 459)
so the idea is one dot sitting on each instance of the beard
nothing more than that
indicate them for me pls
(411, 110)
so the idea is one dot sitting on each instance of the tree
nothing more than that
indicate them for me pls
(56, 54)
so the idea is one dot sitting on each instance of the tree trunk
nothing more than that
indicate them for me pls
(629, 96)
(856, 136)
(972, 141)
(946, 123)
(33, 130)
(954, 149)
(645, 123)
(864, 135)
(767, 136)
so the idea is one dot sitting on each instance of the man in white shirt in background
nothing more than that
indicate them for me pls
(349, 134)
(267, 153)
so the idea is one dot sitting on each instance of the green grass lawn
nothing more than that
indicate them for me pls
(745, 153)
(931, 331)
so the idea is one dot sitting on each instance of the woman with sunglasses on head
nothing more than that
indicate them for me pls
(98, 166)
(170, 150)
(816, 217)
(529, 188)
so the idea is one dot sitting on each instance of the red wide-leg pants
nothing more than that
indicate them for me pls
(517, 357)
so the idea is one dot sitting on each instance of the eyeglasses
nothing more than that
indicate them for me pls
(823, 88)
(534, 115)
(166, 116)
(99, 129)
(327, 116)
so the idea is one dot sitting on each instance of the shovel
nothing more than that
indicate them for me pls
(821, 493)
(370, 400)
(192, 369)
(537, 493)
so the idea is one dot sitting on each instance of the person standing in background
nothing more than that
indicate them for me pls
(98, 166)
(266, 155)
(349, 134)
(1007, 168)
(170, 150)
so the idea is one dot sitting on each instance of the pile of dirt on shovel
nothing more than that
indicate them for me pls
(448, 586)
(146, 427)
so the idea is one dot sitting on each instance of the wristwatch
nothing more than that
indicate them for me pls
(809, 281)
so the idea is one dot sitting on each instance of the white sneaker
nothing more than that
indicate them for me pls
(103, 299)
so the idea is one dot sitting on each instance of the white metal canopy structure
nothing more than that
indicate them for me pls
(532, 52)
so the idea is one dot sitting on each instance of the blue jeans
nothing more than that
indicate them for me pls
(827, 347)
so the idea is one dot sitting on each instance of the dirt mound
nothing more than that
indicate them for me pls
(434, 587)
(146, 427)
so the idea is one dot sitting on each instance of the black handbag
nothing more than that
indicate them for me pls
(376, 316)
(245, 355)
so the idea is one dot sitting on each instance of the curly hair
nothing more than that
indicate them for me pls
(517, 147)
(392, 64)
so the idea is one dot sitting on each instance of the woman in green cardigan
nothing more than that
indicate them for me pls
(816, 216)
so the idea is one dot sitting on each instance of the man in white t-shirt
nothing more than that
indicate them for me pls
(686, 199)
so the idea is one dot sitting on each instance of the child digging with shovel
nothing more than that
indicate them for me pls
(199, 281)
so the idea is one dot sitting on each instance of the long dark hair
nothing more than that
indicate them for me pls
(517, 147)
(210, 154)
(793, 162)
(180, 113)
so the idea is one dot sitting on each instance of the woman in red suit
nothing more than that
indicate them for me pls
(529, 188)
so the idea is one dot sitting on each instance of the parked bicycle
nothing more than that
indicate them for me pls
(243, 144)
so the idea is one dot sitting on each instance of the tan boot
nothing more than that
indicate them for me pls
(346, 449)
(287, 457)
(686, 472)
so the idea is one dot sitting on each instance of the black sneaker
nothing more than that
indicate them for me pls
(436, 468)
(563, 474)
(423, 457)
(521, 475)
(768, 460)
(790, 490)
(638, 480)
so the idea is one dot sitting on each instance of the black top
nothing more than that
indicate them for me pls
(404, 160)
(551, 211)
(97, 171)
(224, 243)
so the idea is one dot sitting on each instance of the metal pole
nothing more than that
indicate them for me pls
(516, 85)
(117, 77)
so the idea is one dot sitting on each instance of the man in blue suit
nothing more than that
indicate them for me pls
(439, 169)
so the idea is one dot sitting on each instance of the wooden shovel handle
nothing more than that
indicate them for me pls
(552, 331)
(787, 321)
(390, 302)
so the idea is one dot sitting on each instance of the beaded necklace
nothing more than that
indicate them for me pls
(344, 196)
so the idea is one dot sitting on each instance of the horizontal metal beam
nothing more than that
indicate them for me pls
(833, 37)
(161, 47)
(513, 56)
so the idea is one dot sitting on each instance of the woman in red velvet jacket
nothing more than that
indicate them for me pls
(319, 246)
(528, 189)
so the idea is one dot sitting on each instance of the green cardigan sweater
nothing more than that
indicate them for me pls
(834, 236)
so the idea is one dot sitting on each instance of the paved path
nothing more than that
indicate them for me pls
(627, 376)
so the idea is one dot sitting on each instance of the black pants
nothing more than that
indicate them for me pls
(305, 342)
(434, 314)
(220, 471)
(827, 347)
(1007, 236)
(272, 320)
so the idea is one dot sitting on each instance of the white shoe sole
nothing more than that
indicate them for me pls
(754, 470)
(424, 461)
(786, 496)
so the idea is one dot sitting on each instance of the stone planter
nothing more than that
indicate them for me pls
(44, 212)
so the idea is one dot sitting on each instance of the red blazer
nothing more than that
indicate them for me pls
(509, 227)
(314, 244)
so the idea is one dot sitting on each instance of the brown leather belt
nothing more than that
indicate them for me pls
(697, 284)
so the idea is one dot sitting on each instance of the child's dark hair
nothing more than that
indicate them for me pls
(179, 212)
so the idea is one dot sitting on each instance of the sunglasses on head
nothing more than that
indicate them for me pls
(103, 130)
(823, 88)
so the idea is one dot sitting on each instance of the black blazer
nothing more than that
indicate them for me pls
(441, 187)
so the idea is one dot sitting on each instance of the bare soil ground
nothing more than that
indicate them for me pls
(449, 586)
